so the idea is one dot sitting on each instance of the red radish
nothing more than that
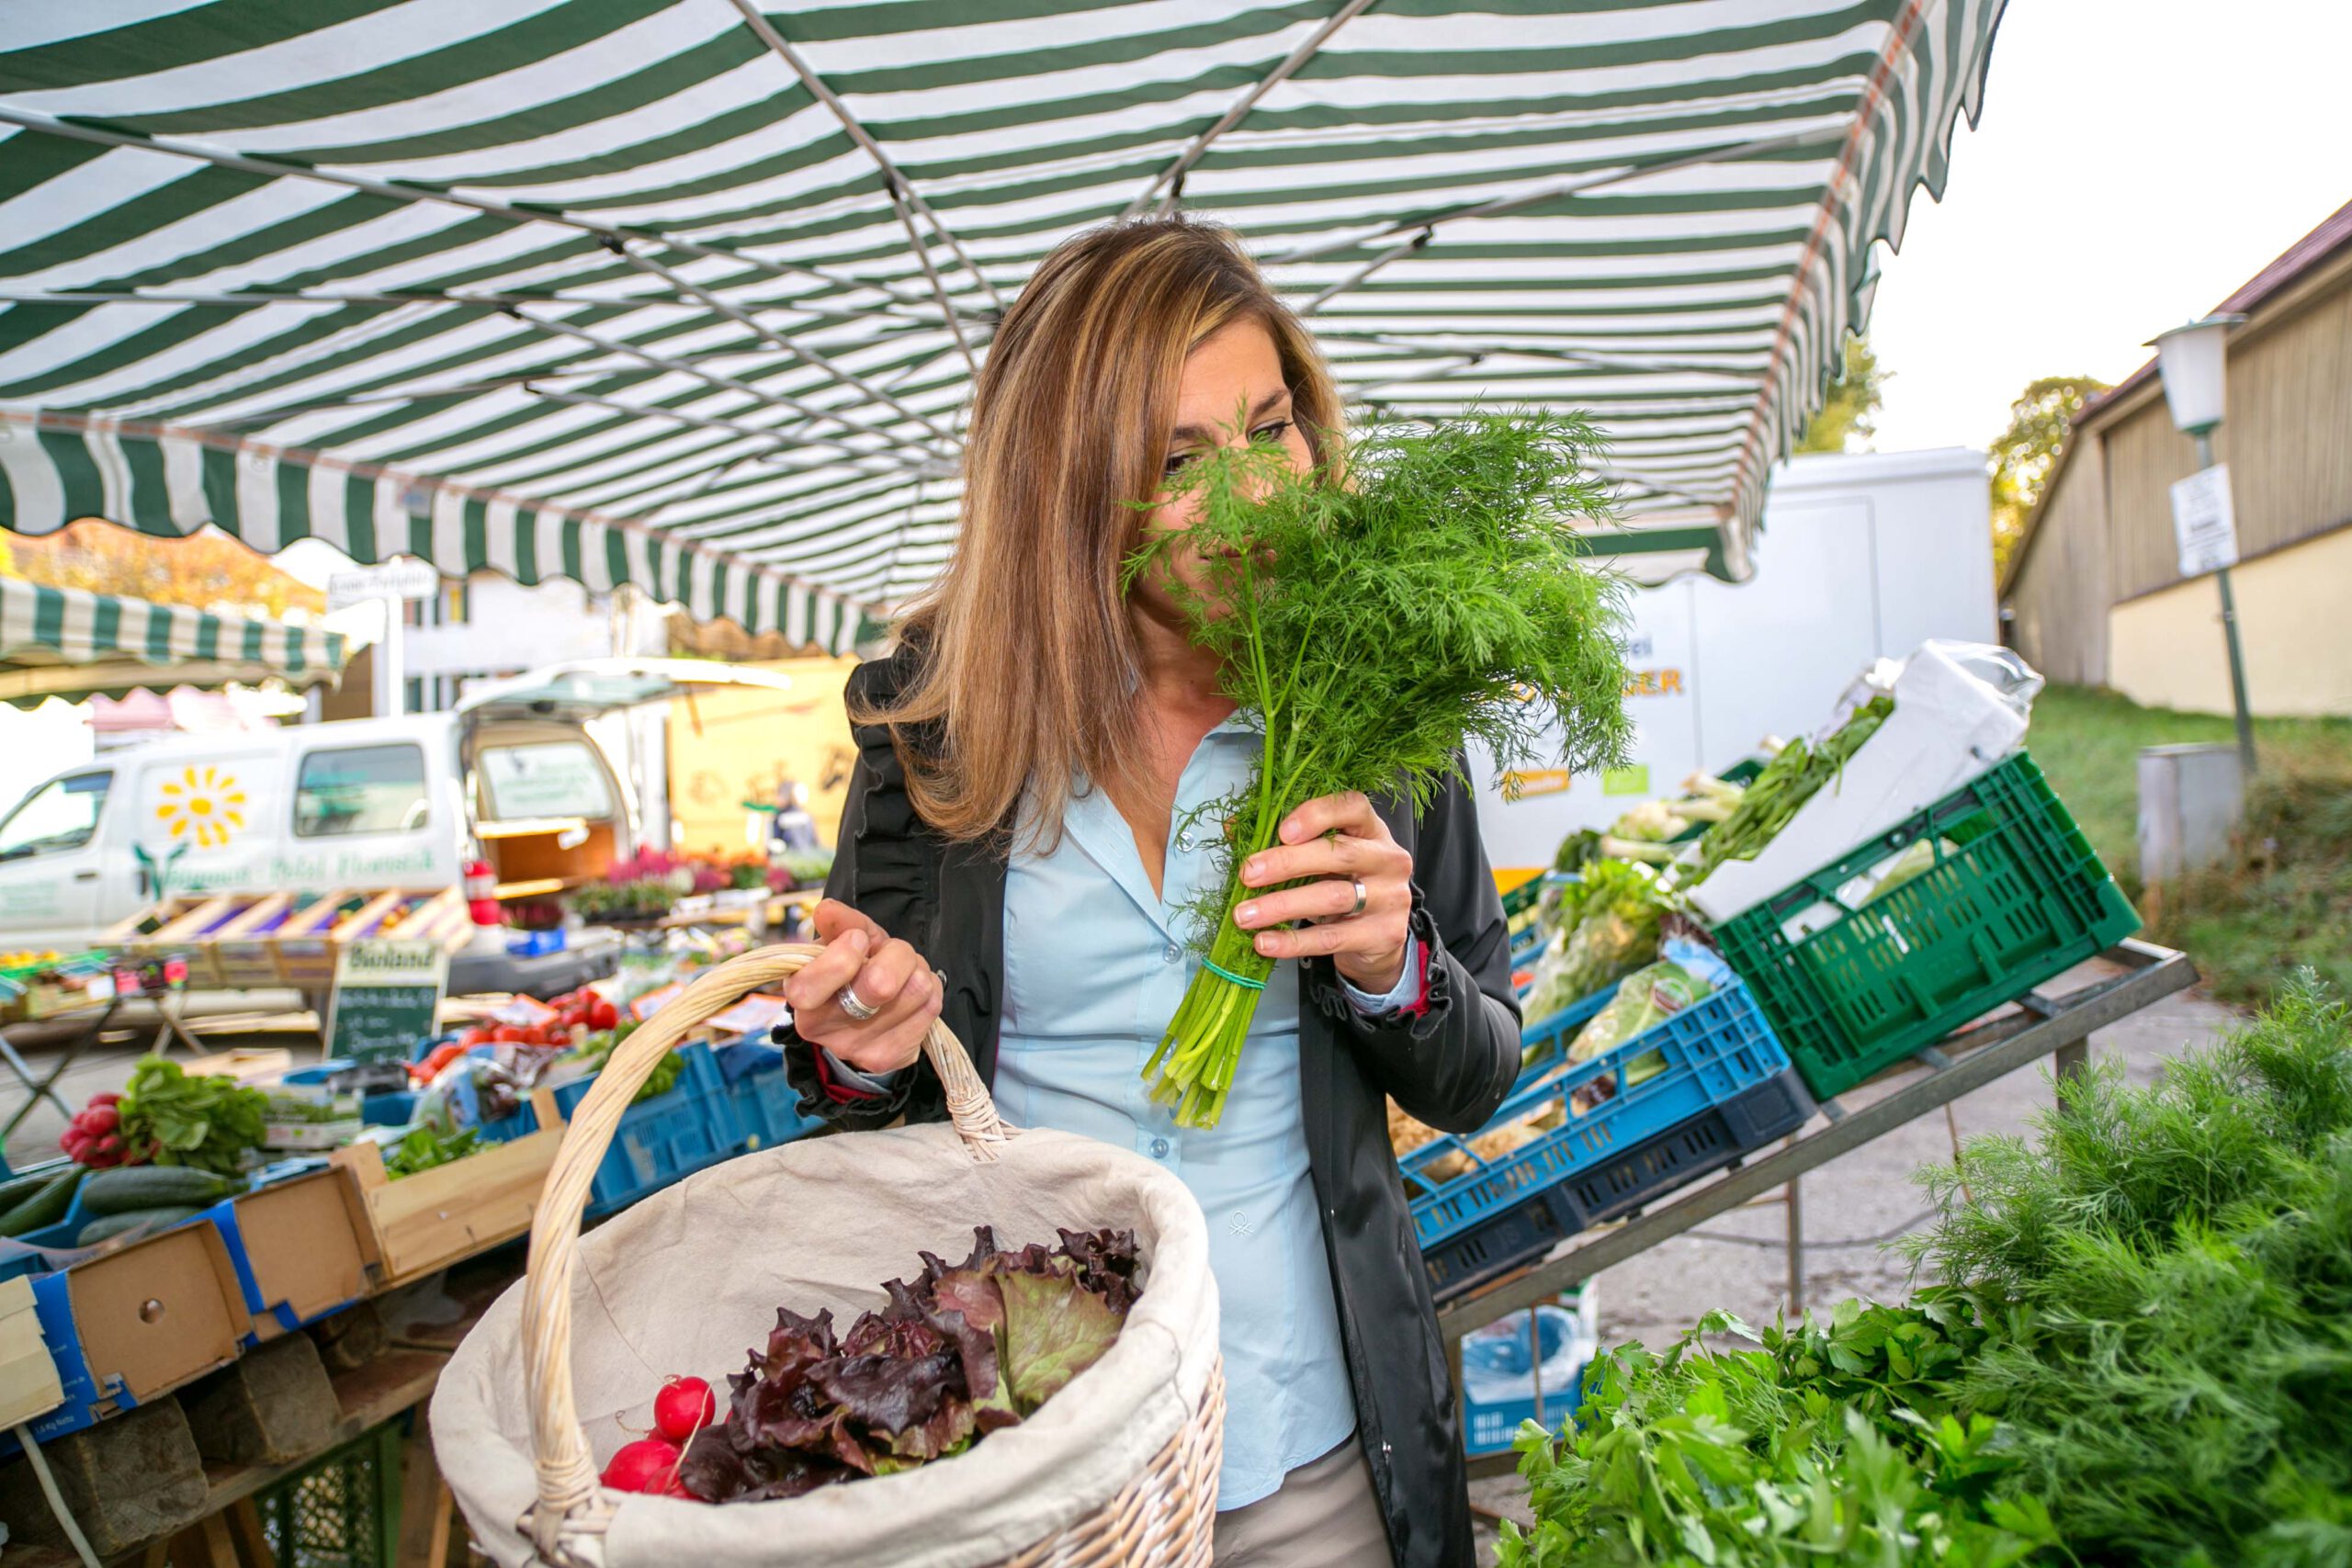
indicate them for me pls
(685, 1406)
(648, 1465)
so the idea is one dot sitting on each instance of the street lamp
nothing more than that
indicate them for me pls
(2192, 360)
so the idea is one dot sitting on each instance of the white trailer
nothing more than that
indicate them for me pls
(1861, 555)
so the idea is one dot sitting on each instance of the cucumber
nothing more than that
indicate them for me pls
(129, 1186)
(17, 1189)
(163, 1219)
(45, 1207)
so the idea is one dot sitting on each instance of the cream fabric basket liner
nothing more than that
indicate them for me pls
(689, 1280)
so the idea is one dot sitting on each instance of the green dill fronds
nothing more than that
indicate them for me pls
(1376, 623)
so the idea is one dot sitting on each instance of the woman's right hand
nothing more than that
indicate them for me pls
(878, 970)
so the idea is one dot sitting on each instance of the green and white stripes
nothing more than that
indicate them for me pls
(65, 642)
(625, 290)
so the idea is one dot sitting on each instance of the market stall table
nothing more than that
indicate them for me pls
(2042, 1025)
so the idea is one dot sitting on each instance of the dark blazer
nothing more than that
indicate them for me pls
(1449, 1066)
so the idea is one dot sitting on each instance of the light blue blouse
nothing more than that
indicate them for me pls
(1094, 966)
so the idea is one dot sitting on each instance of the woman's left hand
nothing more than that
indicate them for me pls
(1334, 843)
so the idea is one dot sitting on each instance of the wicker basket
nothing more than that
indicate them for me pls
(1120, 1468)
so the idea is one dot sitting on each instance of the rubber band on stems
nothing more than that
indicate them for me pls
(1243, 981)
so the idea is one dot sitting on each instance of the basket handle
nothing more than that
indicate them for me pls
(570, 1506)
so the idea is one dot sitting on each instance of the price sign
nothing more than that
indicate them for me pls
(2203, 523)
(393, 579)
(387, 996)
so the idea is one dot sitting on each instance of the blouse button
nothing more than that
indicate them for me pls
(1159, 1148)
(1170, 953)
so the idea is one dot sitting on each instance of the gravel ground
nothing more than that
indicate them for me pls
(1851, 1208)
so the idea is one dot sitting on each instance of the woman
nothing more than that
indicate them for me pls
(1015, 853)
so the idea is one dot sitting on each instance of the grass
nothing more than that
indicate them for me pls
(2285, 900)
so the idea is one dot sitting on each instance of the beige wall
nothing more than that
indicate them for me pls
(2058, 603)
(2294, 622)
(2103, 541)
(728, 748)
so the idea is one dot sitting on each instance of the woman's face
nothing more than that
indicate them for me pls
(1233, 392)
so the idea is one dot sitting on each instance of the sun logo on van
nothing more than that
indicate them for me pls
(203, 807)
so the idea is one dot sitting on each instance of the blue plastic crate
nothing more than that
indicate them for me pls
(1548, 1038)
(1619, 1185)
(767, 1107)
(659, 1141)
(1507, 1378)
(1710, 1055)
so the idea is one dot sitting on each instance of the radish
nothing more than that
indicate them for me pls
(685, 1406)
(649, 1464)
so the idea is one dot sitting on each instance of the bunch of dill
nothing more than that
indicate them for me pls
(1375, 621)
(2173, 1265)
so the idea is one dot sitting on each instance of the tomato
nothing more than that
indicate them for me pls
(507, 1035)
(604, 1015)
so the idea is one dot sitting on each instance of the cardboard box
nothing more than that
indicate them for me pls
(136, 1323)
(29, 1385)
(302, 1248)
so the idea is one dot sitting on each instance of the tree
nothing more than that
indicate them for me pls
(2024, 454)
(1850, 412)
(207, 570)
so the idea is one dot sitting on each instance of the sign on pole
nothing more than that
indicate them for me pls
(2203, 521)
(393, 579)
(387, 996)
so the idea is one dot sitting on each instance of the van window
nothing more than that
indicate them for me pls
(547, 778)
(61, 815)
(360, 789)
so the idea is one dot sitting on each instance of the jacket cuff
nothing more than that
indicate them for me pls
(1410, 994)
(831, 1092)
(1419, 1019)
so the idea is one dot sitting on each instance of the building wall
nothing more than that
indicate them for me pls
(2103, 566)
(2059, 598)
(730, 747)
(2167, 649)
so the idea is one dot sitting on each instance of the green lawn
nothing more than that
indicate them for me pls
(2288, 900)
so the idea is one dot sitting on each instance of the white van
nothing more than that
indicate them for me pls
(509, 777)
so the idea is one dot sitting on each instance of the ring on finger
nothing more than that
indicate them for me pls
(858, 1009)
(1361, 897)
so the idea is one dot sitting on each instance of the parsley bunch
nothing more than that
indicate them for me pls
(1375, 623)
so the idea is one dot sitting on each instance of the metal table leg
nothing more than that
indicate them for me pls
(46, 1089)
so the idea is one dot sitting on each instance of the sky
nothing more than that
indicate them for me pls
(2137, 159)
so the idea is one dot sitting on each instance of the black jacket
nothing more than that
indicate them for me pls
(1449, 1066)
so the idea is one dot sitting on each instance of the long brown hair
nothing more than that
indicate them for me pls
(1028, 655)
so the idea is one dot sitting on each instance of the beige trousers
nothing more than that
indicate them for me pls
(1325, 1516)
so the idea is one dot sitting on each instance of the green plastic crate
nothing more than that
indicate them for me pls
(341, 1511)
(2015, 895)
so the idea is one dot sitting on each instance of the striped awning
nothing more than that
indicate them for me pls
(689, 293)
(65, 642)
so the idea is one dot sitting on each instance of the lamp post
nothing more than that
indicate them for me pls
(2191, 359)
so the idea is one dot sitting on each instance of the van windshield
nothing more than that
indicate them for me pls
(61, 815)
(545, 778)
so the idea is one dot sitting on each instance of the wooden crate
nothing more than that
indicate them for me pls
(430, 1220)
(243, 958)
(123, 939)
(303, 944)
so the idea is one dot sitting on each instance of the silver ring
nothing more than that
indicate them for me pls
(855, 1006)
(1362, 898)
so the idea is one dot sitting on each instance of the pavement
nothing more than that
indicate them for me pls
(1851, 1210)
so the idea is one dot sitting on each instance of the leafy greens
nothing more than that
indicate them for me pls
(206, 1122)
(1373, 622)
(961, 1351)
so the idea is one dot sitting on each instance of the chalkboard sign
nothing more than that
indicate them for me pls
(387, 996)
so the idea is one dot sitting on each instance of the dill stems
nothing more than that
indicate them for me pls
(1375, 623)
